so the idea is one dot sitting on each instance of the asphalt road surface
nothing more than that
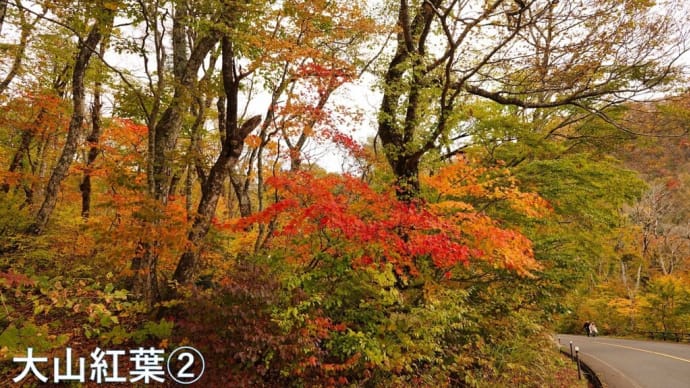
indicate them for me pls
(623, 363)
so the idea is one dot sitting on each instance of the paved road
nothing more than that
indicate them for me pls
(634, 364)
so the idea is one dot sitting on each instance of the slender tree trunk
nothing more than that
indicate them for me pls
(241, 188)
(195, 162)
(163, 140)
(168, 127)
(22, 150)
(19, 49)
(633, 320)
(145, 264)
(229, 155)
(93, 138)
(222, 126)
(188, 181)
(3, 11)
(18, 157)
(211, 192)
(86, 49)
(48, 143)
(28, 136)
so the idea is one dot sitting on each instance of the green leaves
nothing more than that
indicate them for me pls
(593, 191)
(15, 339)
(149, 331)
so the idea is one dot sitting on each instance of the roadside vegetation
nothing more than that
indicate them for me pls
(524, 169)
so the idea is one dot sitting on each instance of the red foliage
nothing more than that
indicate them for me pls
(347, 143)
(321, 71)
(673, 184)
(13, 279)
(343, 217)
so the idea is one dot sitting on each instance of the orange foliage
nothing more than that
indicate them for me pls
(42, 113)
(43, 117)
(133, 220)
(128, 217)
(463, 181)
(461, 184)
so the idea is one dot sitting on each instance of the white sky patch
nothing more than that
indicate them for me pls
(362, 97)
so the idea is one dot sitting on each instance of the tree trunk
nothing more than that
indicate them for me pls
(19, 49)
(146, 279)
(18, 157)
(168, 127)
(93, 138)
(46, 143)
(241, 188)
(229, 155)
(3, 10)
(397, 133)
(86, 49)
(163, 138)
(406, 169)
(211, 192)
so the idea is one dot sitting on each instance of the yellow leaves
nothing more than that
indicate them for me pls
(457, 180)
(625, 306)
(272, 148)
(452, 207)
(530, 204)
(110, 5)
(240, 243)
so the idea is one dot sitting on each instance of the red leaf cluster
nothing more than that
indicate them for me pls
(343, 217)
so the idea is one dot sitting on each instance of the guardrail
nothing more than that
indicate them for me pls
(574, 354)
(665, 335)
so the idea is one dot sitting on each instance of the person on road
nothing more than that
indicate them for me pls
(593, 329)
(586, 327)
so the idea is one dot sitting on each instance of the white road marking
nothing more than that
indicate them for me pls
(644, 350)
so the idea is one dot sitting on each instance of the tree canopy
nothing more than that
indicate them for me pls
(524, 172)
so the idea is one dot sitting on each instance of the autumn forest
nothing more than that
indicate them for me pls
(391, 193)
